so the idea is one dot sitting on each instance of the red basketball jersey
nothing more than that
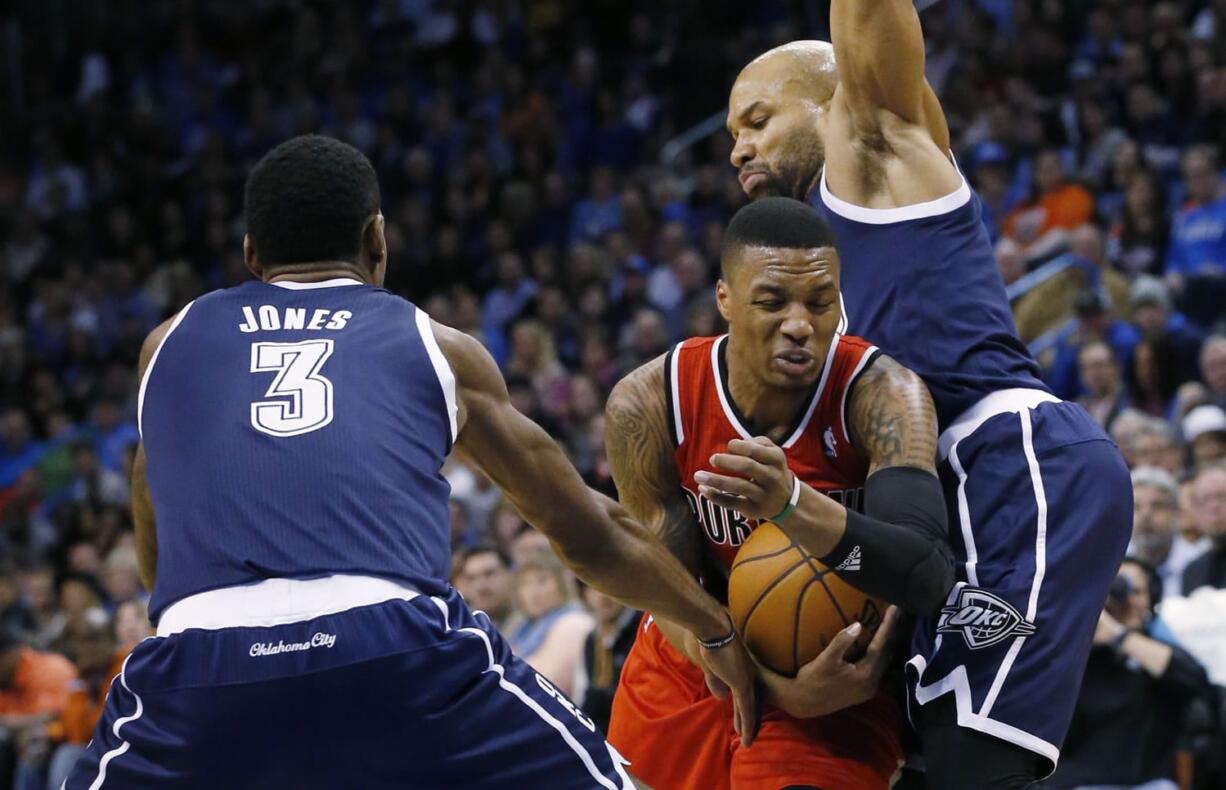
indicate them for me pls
(703, 419)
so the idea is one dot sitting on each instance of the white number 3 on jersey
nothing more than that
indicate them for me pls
(303, 397)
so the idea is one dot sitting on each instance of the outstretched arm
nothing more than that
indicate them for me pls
(641, 460)
(592, 534)
(142, 504)
(879, 47)
(901, 539)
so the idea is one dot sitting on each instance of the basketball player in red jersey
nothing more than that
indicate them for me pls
(781, 393)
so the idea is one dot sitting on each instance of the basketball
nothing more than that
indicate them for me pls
(787, 605)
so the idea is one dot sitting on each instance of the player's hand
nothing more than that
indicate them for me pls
(831, 681)
(752, 478)
(729, 669)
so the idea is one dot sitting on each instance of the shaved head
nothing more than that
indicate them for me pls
(808, 68)
(773, 112)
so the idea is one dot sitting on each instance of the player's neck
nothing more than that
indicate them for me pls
(315, 273)
(770, 411)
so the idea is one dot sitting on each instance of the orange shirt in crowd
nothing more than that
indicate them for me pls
(76, 724)
(41, 683)
(1066, 207)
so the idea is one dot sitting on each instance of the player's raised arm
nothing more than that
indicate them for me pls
(900, 542)
(142, 504)
(594, 535)
(879, 47)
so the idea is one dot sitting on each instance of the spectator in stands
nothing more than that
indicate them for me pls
(131, 626)
(1009, 261)
(1102, 382)
(1154, 314)
(1198, 238)
(34, 689)
(1213, 367)
(18, 449)
(1138, 683)
(551, 636)
(1095, 322)
(1051, 304)
(604, 652)
(1153, 375)
(1155, 524)
(1139, 239)
(1041, 224)
(92, 649)
(1209, 506)
(1155, 444)
(1204, 431)
(483, 576)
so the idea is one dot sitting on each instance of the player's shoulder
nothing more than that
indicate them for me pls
(642, 389)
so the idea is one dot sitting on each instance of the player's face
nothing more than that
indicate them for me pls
(778, 148)
(782, 308)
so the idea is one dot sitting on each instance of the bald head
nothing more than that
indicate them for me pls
(805, 68)
(773, 113)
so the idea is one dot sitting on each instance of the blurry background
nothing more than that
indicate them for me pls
(555, 179)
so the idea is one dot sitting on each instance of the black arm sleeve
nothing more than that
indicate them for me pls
(898, 549)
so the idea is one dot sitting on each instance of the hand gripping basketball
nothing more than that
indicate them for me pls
(832, 681)
(758, 483)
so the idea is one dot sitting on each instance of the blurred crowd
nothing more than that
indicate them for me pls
(518, 145)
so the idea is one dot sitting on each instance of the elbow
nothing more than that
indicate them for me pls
(931, 581)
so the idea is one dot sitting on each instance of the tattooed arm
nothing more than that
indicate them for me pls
(640, 456)
(891, 419)
(898, 549)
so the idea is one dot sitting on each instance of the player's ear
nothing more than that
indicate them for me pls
(722, 297)
(374, 241)
(250, 260)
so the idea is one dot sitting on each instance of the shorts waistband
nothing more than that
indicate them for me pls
(278, 602)
(999, 402)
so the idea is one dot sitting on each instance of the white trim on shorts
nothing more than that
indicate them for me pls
(535, 707)
(1021, 401)
(124, 745)
(279, 602)
(442, 369)
(144, 380)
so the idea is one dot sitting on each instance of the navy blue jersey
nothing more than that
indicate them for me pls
(921, 282)
(294, 431)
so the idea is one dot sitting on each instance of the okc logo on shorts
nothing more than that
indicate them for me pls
(982, 618)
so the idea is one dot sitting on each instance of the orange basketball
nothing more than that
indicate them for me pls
(787, 605)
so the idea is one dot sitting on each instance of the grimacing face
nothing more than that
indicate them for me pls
(778, 149)
(782, 308)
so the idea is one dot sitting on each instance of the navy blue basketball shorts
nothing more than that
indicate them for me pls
(419, 693)
(1040, 512)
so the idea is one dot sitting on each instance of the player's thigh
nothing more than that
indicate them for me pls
(510, 727)
(957, 758)
(795, 753)
(663, 709)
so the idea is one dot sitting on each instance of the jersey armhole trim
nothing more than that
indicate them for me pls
(888, 216)
(144, 380)
(870, 356)
(442, 369)
(672, 395)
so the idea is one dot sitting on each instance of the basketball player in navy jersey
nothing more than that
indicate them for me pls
(292, 524)
(1039, 497)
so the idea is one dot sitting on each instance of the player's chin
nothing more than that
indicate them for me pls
(791, 376)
